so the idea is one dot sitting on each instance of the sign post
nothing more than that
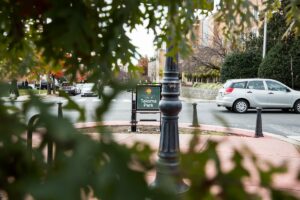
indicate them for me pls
(133, 116)
(146, 101)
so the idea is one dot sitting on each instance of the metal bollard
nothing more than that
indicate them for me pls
(258, 129)
(195, 116)
(133, 116)
(57, 149)
(60, 112)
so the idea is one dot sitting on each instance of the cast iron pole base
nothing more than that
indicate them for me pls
(169, 177)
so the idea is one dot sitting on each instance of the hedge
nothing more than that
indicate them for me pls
(240, 65)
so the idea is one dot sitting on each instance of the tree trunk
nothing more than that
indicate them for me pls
(48, 83)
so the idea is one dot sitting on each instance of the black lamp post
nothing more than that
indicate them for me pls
(170, 106)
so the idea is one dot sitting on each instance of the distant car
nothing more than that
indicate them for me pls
(87, 90)
(31, 86)
(241, 94)
(70, 88)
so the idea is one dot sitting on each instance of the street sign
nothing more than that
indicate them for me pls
(148, 97)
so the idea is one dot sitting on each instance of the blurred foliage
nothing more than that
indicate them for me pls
(89, 37)
(293, 17)
(86, 167)
(238, 15)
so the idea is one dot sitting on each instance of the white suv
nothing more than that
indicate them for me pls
(240, 94)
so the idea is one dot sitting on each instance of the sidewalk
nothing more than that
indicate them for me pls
(270, 148)
(23, 98)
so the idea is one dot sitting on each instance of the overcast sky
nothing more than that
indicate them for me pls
(143, 40)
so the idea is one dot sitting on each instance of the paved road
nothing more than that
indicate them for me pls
(274, 121)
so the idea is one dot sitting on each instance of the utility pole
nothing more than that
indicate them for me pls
(292, 72)
(265, 37)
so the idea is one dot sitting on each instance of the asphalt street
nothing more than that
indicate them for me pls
(273, 121)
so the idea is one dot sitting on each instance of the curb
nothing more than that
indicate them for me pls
(22, 99)
(204, 127)
(191, 100)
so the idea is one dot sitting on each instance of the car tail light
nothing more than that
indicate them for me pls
(228, 90)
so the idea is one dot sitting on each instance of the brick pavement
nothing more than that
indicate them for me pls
(271, 148)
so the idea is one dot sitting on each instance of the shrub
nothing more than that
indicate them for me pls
(240, 65)
(277, 65)
(295, 52)
(212, 86)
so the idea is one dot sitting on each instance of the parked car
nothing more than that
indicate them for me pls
(87, 90)
(241, 94)
(70, 88)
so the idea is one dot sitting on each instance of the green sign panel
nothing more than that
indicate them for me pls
(148, 97)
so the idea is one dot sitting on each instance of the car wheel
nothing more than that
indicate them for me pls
(297, 107)
(240, 106)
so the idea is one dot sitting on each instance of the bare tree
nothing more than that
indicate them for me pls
(207, 56)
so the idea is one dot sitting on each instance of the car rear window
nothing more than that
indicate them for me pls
(227, 84)
(239, 84)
